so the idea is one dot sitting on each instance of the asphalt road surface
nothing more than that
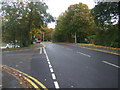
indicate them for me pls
(65, 66)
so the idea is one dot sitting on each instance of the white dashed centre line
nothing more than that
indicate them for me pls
(53, 76)
(56, 84)
(51, 70)
(47, 58)
(50, 66)
(84, 54)
(49, 62)
(111, 64)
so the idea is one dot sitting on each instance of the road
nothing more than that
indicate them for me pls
(65, 66)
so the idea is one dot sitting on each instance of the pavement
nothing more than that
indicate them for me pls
(65, 66)
(10, 81)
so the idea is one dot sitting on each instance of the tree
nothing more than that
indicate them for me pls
(60, 33)
(20, 18)
(48, 33)
(106, 18)
(105, 13)
(75, 22)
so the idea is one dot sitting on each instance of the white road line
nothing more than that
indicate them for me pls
(40, 50)
(50, 66)
(51, 69)
(47, 58)
(53, 76)
(84, 54)
(56, 85)
(111, 64)
(49, 62)
(45, 52)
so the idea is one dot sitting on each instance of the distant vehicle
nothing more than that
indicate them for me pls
(11, 45)
(38, 41)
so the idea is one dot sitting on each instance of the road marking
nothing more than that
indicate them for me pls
(94, 49)
(51, 70)
(25, 77)
(84, 54)
(35, 86)
(40, 50)
(100, 50)
(49, 62)
(38, 82)
(50, 66)
(111, 64)
(56, 85)
(53, 76)
(47, 58)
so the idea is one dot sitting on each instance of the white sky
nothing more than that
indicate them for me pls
(56, 7)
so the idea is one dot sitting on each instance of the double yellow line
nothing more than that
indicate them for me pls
(101, 50)
(29, 79)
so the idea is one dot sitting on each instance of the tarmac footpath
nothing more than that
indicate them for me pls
(16, 68)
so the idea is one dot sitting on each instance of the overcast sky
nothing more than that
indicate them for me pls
(56, 7)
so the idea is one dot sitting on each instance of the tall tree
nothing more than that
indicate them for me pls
(75, 23)
(20, 18)
(106, 17)
(105, 13)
